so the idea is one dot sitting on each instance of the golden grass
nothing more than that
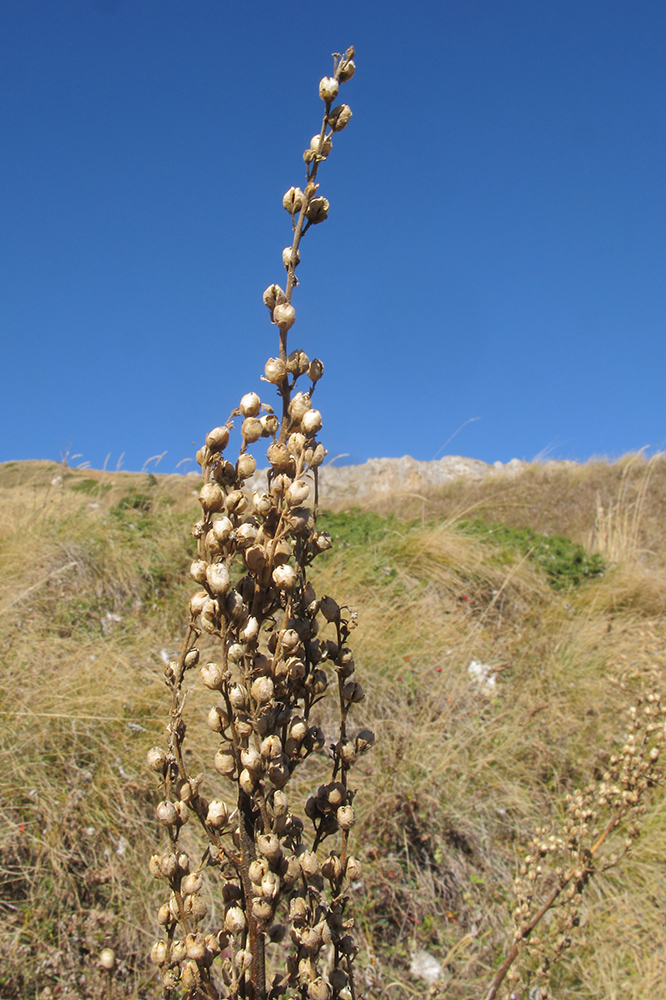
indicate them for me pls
(460, 777)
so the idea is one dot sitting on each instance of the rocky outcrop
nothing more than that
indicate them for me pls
(355, 484)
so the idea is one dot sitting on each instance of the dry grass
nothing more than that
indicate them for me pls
(461, 775)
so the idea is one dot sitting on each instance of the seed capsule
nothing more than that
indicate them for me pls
(212, 675)
(198, 570)
(218, 438)
(274, 295)
(339, 118)
(284, 315)
(290, 257)
(218, 814)
(270, 425)
(250, 404)
(246, 466)
(211, 497)
(285, 577)
(293, 200)
(309, 864)
(157, 760)
(299, 405)
(167, 813)
(217, 578)
(320, 147)
(262, 690)
(159, 953)
(328, 89)
(224, 762)
(275, 370)
(251, 429)
(317, 210)
(346, 817)
(311, 422)
(315, 370)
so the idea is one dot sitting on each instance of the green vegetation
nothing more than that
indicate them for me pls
(565, 563)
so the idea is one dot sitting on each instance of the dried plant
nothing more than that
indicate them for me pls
(278, 650)
(554, 874)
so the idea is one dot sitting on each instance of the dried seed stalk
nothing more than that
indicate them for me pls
(278, 650)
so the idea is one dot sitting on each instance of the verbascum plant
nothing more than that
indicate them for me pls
(280, 867)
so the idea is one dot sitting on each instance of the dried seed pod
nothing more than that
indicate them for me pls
(274, 295)
(257, 870)
(309, 864)
(159, 953)
(234, 920)
(262, 690)
(251, 429)
(271, 747)
(311, 422)
(255, 558)
(331, 868)
(211, 498)
(298, 492)
(285, 577)
(319, 989)
(250, 630)
(353, 869)
(198, 570)
(290, 257)
(270, 425)
(250, 404)
(330, 609)
(346, 817)
(299, 406)
(298, 363)
(275, 370)
(353, 692)
(224, 761)
(191, 884)
(346, 68)
(167, 814)
(270, 885)
(246, 465)
(262, 910)
(248, 781)
(251, 759)
(217, 439)
(364, 741)
(217, 578)
(262, 503)
(268, 845)
(157, 760)
(296, 443)
(320, 147)
(323, 540)
(293, 200)
(246, 534)
(218, 814)
(238, 696)
(328, 89)
(284, 315)
(315, 370)
(317, 210)
(195, 946)
(339, 117)
(212, 674)
(221, 528)
(197, 603)
(217, 719)
(278, 455)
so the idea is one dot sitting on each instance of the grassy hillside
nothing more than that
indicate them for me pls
(566, 633)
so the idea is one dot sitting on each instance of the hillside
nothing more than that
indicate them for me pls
(507, 622)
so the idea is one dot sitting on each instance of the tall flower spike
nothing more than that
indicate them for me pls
(270, 650)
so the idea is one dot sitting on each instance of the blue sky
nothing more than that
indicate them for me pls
(494, 255)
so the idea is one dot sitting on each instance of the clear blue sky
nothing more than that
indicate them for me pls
(495, 247)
